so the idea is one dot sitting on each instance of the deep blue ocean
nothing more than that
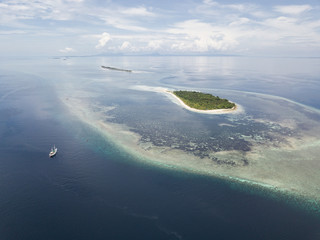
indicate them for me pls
(93, 190)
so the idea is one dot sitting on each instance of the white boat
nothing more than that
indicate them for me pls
(53, 151)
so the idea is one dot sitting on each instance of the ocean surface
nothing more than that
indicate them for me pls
(133, 164)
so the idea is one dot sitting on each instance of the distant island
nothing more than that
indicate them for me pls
(204, 101)
(116, 69)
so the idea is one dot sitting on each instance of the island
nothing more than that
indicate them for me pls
(196, 101)
(203, 101)
(116, 69)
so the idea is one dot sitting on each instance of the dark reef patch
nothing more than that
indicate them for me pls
(207, 136)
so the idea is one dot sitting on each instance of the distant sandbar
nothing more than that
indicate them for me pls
(116, 69)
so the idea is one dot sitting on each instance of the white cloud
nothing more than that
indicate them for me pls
(122, 23)
(281, 22)
(209, 7)
(240, 21)
(189, 27)
(139, 11)
(125, 45)
(32, 9)
(200, 36)
(293, 9)
(104, 38)
(293, 31)
(9, 32)
(209, 2)
(154, 44)
(67, 50)
(238, 7)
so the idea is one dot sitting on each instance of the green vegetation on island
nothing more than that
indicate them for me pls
(203, 101)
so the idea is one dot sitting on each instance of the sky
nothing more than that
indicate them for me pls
(167, 27)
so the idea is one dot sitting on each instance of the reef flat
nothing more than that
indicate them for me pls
(274, 146)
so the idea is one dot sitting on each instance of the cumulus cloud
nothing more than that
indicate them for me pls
(67, 50)
(125, 45)
(104, 38)
(155, 44)
(201, 36)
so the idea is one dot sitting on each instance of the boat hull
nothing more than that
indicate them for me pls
(53, 152)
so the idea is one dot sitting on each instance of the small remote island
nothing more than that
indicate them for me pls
(204, 101)
(116, 69)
